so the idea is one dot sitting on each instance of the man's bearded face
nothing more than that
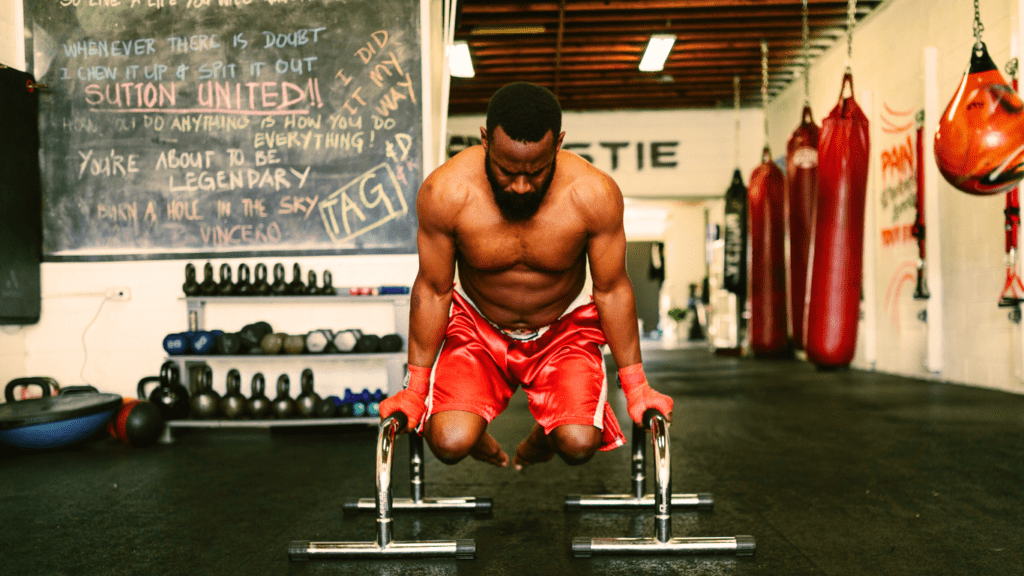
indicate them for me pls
(517, 206)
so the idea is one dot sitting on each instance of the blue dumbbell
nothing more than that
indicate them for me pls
(177, 344)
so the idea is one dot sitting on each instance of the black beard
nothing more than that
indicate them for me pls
(517, 207)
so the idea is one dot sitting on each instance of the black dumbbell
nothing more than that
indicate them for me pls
(367, 344)
(391, 343)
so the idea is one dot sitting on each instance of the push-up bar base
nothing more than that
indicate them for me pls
(736, 545)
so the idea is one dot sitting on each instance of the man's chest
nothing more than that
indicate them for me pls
(493, 245)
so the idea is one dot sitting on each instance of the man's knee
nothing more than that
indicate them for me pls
(576, 443)
(452, 435)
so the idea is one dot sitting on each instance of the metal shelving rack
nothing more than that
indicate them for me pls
(395, 362)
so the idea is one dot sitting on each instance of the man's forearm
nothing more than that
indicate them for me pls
(617, 309)
(428, 318)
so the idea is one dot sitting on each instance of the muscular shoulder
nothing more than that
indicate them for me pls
(448, 189)
(594, 194)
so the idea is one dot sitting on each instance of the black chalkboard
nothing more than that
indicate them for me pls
(20, 201)
(227, 127)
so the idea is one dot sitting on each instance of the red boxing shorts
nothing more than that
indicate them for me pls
(560, 366)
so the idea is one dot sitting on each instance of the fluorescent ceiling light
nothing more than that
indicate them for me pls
(493, 30)
(459, 62)
(657, 52)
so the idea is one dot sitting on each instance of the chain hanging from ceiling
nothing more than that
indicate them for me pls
(806, 37)
(764, 86)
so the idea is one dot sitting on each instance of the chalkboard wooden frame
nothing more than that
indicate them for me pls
(228, 128)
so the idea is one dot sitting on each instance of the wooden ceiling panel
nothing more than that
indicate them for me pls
(591, 61)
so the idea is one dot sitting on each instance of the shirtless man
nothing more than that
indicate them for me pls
(521, 218)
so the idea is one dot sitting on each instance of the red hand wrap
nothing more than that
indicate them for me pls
(640, 396)
(411, 400)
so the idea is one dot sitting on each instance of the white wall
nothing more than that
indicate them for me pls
(972, 340)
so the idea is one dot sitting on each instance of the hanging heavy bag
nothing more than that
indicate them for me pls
(837, 253)
(767, 329)
(979, 145)
(801, 193)
(735, 257)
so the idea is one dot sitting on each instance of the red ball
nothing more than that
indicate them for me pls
(138, 424)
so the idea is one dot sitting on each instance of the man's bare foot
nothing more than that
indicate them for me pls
(534, 450)
(488, 450)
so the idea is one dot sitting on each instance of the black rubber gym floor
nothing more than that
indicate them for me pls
(840, 473)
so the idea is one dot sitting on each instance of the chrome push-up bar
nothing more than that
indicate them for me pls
(417, 488)
(384, 545)
(661, 502)
(639, 498)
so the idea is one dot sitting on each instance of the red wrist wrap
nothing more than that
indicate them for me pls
(639, 394)
(410, 401)
(630, 376)
(419, 381)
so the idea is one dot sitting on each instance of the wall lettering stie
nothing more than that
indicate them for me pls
(637, 156)
(228, 127)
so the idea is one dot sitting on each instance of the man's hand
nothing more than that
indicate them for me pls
(411, 400)
(640, 397)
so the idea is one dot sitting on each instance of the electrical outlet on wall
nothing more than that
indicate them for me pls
(119, 293)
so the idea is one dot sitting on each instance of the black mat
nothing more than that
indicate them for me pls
(845, 474)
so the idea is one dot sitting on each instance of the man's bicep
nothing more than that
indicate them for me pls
(607, 255)
(435, 238)
(606, 248)
(436, 257)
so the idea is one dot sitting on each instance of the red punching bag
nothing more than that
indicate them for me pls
(837, 252)
(801, 193)
(767, 329)
(979, 145)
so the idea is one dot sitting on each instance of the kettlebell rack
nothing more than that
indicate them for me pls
(196, 320)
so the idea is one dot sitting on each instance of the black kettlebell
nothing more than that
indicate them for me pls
(296, 287)
(307, 401)
(280, 286)
(311, 288)
(206, 402)
(328, 287)
(232, 405)
(328, 407)
(283, 406)
(244, 286)
(209, 285)
(226, 287)
(191, 286)
(260, 286)
(258, 405)
(170, 396)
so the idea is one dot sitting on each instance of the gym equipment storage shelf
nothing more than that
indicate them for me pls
(372, 420)
(394, 361)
